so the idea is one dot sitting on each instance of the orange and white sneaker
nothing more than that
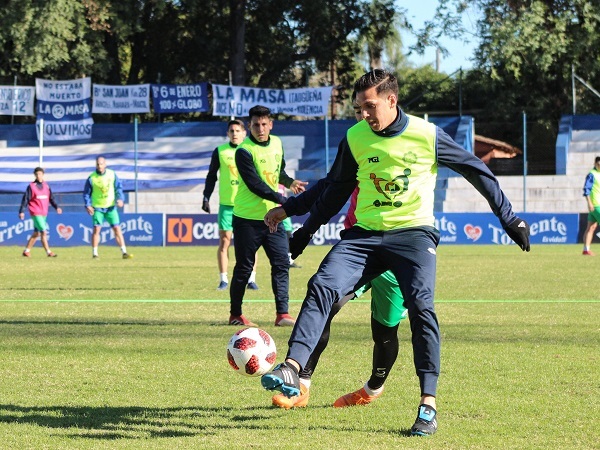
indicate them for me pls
(359, 397)
(284, 320)
(240, 320)
(297, 401)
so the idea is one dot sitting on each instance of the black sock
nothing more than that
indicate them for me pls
(385, 352)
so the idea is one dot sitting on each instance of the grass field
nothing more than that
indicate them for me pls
(130, 354)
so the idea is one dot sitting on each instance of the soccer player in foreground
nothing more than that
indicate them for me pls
(394, 157)
(387, 310)
(37, 197)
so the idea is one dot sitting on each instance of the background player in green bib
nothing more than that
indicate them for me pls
(261, 165)
(223, 163)
(102, 194)
(591, 192)
(37, 197)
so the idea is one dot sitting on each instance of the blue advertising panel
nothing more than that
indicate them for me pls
(475, 228)
(203, 229)
(485, 228)
(73, 229)
(455, 228)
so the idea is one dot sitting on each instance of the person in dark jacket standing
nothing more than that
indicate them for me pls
(261, 165)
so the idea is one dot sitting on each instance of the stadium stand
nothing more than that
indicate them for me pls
(172, 161)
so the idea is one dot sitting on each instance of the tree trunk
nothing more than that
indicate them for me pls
(238, 39)
(375, 52)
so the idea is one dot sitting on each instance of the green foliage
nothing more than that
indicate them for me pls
(424, 89)
(184, 41)
(48, 39)
(523, 62)
(379, 38)
(130, 354)
(526, 52)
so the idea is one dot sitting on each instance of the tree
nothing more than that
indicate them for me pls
(49, 39)
(527, 49)
(380, 18)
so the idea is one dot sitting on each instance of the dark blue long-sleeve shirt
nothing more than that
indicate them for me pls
(213, 169)
(330, 194)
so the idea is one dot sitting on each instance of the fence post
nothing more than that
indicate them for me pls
(41, 139)
(135, 156)
(524, 161)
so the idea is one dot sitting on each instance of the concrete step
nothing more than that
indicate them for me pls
(585, 135)
(584, 147)
(532, 182)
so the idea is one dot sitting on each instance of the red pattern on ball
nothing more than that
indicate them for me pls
(271, 357)
(244, 343)
(265, 337)
(231, 361)
(253, 365)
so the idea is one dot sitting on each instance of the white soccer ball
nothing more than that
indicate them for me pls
(251, 352)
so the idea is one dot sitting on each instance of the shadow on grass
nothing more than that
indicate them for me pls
(136, 422)
(132, 422)
(88, 322)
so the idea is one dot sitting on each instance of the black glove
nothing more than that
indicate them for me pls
(299, 241)
(205, 205)
(518, 231)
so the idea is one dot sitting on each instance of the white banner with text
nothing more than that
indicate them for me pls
(16, 100)
(110, 99)
(65, 107)
(237, 100)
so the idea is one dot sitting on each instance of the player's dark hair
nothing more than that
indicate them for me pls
(380, 79)
(597, 160)
(38, 169)
(235, 122)
(259, 111)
